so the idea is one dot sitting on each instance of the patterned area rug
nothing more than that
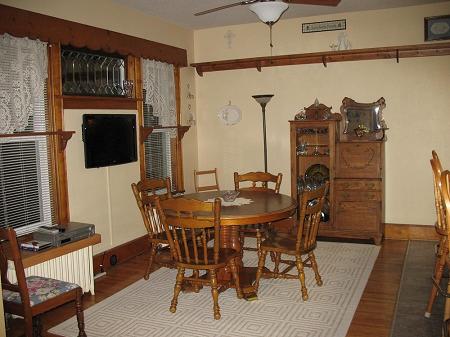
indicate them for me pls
(142, 309)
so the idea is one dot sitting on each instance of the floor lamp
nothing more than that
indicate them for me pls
(263, 100)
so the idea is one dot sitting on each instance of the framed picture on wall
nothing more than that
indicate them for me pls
(437, 28)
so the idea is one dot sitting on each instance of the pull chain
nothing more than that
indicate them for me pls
(271, 44)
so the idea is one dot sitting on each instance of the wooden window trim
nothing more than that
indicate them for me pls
(55, 104)
(98, 102)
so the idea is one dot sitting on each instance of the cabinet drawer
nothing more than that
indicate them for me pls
(358, 216)
(365, 185)
(348, 195)
(359, 160)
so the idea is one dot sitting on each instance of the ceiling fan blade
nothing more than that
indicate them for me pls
(314, 2)
(225, 7)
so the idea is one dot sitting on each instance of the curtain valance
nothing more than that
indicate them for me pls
(158, 81)
(23, 73)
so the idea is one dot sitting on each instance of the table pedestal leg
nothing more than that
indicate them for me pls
(230, 238)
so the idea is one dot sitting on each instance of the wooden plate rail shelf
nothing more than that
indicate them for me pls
(395, 52)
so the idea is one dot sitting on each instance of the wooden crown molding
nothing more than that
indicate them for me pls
(22, 23)
(395, 52)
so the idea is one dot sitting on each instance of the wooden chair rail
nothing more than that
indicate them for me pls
(64, 136)
(394, 52)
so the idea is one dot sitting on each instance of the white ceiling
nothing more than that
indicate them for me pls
(181, 12)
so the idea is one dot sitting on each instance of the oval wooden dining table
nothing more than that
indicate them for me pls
(264, 207)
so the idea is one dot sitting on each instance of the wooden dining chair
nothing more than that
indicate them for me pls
(144, 192)
(256, 181)
(31, 296)
(187, 223)
(445, 190)
(213, 177)
(441, 229)
(303, 244)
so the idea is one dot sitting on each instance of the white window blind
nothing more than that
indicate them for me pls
(26, 192)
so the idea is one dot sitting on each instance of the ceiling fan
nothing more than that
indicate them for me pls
(283, 4)
(270, 11)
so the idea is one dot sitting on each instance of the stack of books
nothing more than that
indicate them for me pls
(35, 245)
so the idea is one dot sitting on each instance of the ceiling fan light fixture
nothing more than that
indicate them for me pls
(269, 12)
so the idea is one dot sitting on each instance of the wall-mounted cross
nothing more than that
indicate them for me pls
(229, 37)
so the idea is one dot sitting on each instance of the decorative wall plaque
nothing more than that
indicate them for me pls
(323, 26)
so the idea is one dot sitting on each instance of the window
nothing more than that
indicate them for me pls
(26, 193)
(159, 149)
(88, 73)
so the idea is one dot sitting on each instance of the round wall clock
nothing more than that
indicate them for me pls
(229, 114)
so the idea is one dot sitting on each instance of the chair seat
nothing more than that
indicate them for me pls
(225, 254)
(283, 244)
(40, 289)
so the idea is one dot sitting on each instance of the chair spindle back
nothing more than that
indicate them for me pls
(144, 192)
(310, 208)
(441, 225)
(259, 181)
(445, 188)
(188, 232)
(208, 174)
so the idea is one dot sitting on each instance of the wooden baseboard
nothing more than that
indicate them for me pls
(410, 232)
(128, 250)
(124, 252)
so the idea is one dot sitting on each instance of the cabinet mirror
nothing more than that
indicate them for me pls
(365, 117)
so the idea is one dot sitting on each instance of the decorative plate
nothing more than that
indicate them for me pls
(317, 173)
(229, 114)
(325, 214)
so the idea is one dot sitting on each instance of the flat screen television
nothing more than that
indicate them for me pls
(109, 139)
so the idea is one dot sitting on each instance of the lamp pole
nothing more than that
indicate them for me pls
(263, 100)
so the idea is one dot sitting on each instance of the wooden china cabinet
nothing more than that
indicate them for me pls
(313, 151)
(353, 162)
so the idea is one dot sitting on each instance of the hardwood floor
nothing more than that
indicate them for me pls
(373, 317)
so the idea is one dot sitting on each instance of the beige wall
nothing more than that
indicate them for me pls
(103, 196)
(416, 92)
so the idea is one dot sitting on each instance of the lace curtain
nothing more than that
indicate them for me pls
(159, 83)
(23, 72)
